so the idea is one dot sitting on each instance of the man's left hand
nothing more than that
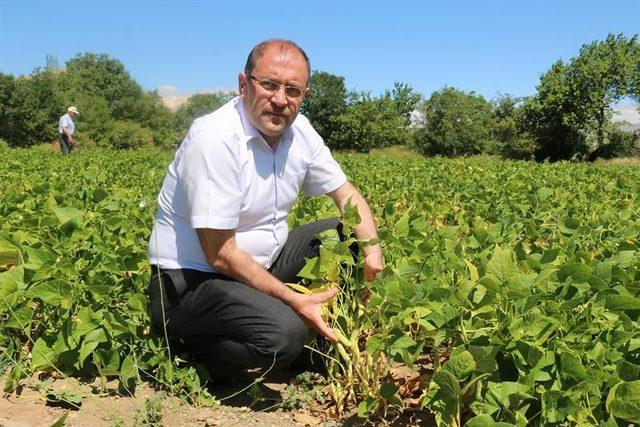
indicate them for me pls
(373, 263)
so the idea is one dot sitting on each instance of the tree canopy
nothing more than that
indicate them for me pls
(572, 112)
(457, 123)
(326, 100)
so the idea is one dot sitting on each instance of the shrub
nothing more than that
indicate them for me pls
(126, 134)
(523, 147)
(368, 123)
(620, 144)
(457, 123)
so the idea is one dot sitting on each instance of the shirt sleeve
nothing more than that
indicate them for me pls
(209, 173)
(324, 174)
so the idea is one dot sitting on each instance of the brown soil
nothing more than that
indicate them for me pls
(102, 407)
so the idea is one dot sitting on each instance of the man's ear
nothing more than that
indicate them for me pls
(242, 83)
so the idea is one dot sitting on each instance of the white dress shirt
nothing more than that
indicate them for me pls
(225, 176)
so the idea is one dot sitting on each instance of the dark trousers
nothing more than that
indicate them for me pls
(65, 145)
(229, 325)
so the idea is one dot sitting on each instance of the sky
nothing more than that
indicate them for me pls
(183, 47)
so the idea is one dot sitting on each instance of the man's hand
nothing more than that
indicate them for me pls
(309, 308)
(373, 262)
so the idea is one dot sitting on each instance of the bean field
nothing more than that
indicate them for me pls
(511, 291)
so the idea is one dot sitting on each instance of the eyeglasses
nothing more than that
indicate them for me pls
(290, 91)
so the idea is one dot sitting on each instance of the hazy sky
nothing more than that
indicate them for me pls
(187, 46)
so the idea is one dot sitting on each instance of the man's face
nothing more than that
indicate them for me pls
(272, 112)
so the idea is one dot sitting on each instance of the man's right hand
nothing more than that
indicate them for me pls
(309, 308)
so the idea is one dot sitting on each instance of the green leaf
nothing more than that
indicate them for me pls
(52, 292)
(99, 195)
(12, 287)
(623, 259)
(460, 364)
(375, 344)
(402, 226)
(60, 421)
(86, 349)
(473, 271)
(623, 401)
(580, 273)
(64, 396)
(38, 256)
(572, 367)
(403, 342)
(389, 392)
(19, 319)
(128, 373)
(628, 371)
(13, 378)
(485, 420)
(447, 382)
(549, 256)
(43, 355)
(68, 217)
(485, 358)
(501, 266)
(9, 255)
(558, 406)
(367, 407)
(622, 302)
(569, 226)
(312, 269)
(107, 361)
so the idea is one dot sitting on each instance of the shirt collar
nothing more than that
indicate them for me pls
(251, 132)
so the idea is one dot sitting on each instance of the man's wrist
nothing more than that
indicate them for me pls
(371, 249)
(288, 296)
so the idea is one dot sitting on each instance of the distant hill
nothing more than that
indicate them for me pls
(627, 113)
(173, 99)
(174, 103)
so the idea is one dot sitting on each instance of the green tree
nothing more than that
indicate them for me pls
(30, 108)
(98, 81)
(7, 100)
(545, 117)
(457, 123)
(95, 124)
(368, 123)
(508, 140)
(601, 75)
(154, 115)
(405, 100)
(198, 105)
(571, 113)
(100, 75)
(325, 101)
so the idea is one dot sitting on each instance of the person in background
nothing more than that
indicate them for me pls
(66, 129)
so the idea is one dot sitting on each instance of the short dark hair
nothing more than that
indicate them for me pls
(257, 52)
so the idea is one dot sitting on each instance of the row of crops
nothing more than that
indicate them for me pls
(511, 290)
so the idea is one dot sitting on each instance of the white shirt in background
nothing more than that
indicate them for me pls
(66, 122)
